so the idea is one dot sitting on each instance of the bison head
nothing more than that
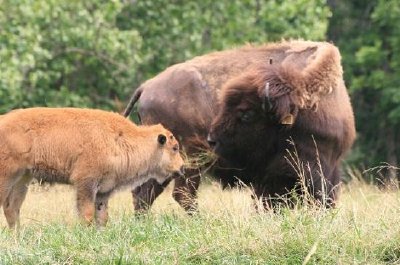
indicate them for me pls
(255, 110)
(169, 159)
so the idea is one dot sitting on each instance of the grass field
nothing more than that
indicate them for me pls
(363, 229)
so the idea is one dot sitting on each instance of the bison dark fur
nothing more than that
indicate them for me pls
(271, 111)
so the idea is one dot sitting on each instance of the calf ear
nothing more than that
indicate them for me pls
(162, 139)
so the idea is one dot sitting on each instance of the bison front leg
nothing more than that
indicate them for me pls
(101, 206)
(260, 202)
(334, 187)
(185, 190)
(275, 193)
(266, 201)
(325, 187)
(13, 202)
(86, 193)
(145, 195)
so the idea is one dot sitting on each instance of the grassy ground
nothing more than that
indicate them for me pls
(364, 229)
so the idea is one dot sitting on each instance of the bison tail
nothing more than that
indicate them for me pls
(135, 97)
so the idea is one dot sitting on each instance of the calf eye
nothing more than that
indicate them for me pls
(247, 116)
(162, 139)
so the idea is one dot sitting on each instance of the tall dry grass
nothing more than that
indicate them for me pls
(363, 229)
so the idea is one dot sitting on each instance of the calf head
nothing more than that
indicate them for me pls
(171, 162)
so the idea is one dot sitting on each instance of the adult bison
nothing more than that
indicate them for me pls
(275, 113)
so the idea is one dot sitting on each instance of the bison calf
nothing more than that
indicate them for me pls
(95, 151)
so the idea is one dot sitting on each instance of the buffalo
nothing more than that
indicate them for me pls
(277, 115)
(98, 152)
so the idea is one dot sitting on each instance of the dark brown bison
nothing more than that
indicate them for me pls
(275, 113)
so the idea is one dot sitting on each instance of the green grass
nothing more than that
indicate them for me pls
(363, 229)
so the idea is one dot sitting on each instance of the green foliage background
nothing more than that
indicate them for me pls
(368, 35)
(94, 53)
(64, 53)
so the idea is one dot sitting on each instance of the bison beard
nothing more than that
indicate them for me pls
(274, 123)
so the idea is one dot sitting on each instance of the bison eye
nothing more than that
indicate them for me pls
(247, 116)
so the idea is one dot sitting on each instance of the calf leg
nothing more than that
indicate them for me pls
(13, 202)
(185, 190)
(7, 179)
(9, 176)
(4, 191)
(101, 205)
(86, 193)
(145, 195)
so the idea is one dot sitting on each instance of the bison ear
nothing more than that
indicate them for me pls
(277, 101)
(162, 139)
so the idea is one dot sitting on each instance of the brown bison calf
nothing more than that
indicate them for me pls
(96, 151)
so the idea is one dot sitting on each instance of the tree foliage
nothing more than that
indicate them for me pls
(369, 38)
(89, 53)
(64, 53)
(188, 28)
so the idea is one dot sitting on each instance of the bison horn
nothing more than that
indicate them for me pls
(266, 98)
(288, 120)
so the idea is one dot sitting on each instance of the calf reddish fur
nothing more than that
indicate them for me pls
(305, 85)
(96, 151)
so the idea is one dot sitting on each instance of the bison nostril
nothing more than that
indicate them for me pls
(211, 141)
